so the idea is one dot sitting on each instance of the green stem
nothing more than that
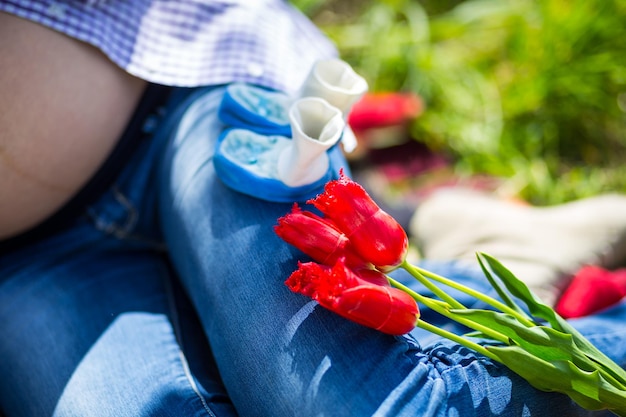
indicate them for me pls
(420, 273)
(456, 338)
(443, 308)
(417, 274)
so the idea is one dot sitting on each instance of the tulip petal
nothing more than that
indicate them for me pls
(344, 292)
(376, 236)
(317, 237)
(345, 202)
(386, 309)
(382, 241)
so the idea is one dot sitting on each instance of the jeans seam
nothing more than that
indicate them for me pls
(181, 355)
(122, 232)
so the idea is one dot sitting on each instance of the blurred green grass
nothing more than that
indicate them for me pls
(530, 91)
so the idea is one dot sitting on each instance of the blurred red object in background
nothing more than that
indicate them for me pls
(384, 109)
(592, 289)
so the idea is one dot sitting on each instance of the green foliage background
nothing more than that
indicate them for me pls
(533, 91)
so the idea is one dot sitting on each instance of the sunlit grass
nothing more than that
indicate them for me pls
(531, 91)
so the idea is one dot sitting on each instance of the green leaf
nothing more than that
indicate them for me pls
(543, 342)
(496, 285)
(589, 389)
(538, 309)
(518, 289)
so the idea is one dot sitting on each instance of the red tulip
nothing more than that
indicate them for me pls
(375, 235)
(591, 290)
(363, 301)
(317, 237)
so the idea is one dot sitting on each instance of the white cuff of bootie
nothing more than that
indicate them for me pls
(316, 126)
(336, 82)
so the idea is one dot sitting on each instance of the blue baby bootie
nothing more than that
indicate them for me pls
(255, 108)
(285, 149)
(246, 162)
(280, 168)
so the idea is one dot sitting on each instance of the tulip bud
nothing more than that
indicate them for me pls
(375, 235)
(344, 292)
(317, 237)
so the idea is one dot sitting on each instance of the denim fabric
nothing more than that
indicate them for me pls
(92, 321)
(281, 354)
(111, 317)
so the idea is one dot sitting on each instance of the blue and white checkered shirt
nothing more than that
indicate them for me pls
(190, 42)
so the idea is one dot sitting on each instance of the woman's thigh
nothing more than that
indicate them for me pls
(279, 353)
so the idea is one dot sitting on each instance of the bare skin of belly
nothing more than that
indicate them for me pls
(63, 106)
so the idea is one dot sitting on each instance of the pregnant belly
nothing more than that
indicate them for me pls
(63, 107)
(33, 187)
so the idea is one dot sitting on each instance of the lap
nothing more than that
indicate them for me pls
(96, 327)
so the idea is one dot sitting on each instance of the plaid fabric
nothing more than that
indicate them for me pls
(190, 42)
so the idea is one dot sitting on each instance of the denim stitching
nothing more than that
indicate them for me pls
(112, 228)
(181, 354)
(123, 232)
(131, 216)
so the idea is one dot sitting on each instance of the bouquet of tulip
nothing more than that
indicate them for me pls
(355, 244)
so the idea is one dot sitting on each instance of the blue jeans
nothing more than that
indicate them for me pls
(167, 299)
